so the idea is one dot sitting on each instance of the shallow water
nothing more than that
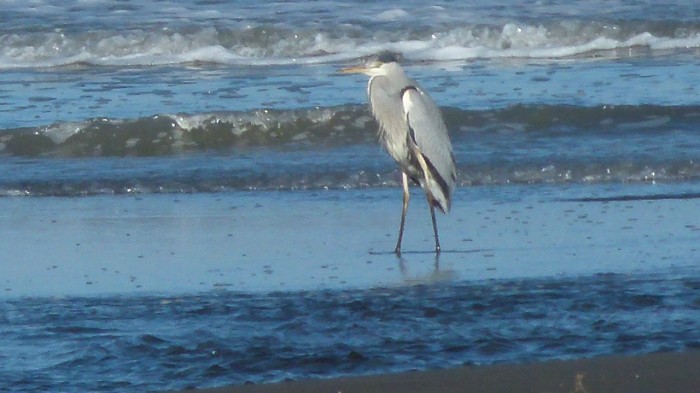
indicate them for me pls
(575, 129)
(226, 337)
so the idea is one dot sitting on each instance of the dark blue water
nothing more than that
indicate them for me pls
(140, 343)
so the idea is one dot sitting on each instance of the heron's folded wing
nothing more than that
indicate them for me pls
(430, 134)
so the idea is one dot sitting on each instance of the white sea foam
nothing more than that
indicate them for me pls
(392, 15)
(59, 132)
(274, 46)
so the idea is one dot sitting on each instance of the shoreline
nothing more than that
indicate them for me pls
(659, 372)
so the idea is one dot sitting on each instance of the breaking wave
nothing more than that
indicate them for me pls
(275, 45)
(168, 134)
(172, 134)
(336, 148)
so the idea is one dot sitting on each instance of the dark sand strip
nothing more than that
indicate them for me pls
(655, 373)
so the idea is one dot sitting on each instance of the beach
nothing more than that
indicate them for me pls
(651, 373)
(236, 288)
(193, 196)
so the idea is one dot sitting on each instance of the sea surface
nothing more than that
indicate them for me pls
(136, 98)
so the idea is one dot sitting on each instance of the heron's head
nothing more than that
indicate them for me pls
(379, 65)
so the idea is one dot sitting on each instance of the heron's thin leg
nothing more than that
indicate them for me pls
(406, 197)
(435, 229)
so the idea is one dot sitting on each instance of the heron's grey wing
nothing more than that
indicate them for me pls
(428, 131)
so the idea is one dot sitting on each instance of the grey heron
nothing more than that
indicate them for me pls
(413, 132)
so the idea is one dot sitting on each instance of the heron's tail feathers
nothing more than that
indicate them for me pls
(442, 202)
(438, 187)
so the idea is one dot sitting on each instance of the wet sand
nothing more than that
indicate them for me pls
(267, 241)
(655, 373)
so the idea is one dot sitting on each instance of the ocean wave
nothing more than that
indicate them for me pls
(174, 134)
(336, 148)
(168, 134)
(275, 45)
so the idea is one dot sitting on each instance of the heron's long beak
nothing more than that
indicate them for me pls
(360, 69)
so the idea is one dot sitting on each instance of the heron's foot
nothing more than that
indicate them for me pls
(397, 251)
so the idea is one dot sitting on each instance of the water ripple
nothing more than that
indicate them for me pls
(216, 338)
